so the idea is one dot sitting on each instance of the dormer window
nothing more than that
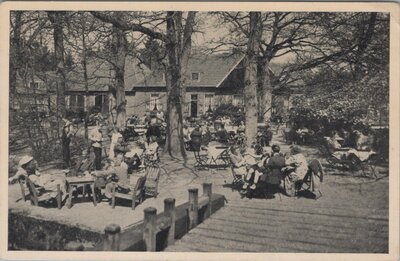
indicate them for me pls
(34, 85)
(195, 76)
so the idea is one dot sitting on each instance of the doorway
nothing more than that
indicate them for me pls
(193, 105)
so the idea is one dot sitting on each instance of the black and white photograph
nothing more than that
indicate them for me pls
(183, 130)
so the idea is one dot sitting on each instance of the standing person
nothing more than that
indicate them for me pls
(153, 130)
(96, 138)
(114, 139)
(65, 141)
(195, 138)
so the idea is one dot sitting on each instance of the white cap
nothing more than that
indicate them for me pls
(25, 159)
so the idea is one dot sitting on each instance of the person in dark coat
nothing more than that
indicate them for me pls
(153, 130)
(274, 165)
(66, 140)
(195, 139)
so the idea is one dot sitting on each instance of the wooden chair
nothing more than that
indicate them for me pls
(152, 178)
(313, 178)
(136, 195)
(237, 180)
(201, 161)
(38, 194)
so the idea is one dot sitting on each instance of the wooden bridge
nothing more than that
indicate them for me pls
(274, 226)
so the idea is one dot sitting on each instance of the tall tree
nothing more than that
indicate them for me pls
(177, 40)
(119, 51)
(250, 77)
(57, 20)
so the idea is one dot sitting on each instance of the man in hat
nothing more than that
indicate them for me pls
(28, 168)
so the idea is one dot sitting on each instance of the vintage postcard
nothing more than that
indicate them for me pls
(199, 130)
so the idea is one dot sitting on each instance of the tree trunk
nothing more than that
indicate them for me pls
(175, 100)
(119, 50)
(57, 19)
(85, 78)
(264, 90)
(250, 78)
(15, 58)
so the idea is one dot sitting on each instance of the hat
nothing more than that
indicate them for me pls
(25, 160)
(276, 148)
(96, 145)
(295, 149)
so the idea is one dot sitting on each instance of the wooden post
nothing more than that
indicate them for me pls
(112, 238)
(207, 191)
(93, 194)
(58, 196)
(169, 210)
(193, 207)
(70, 188)
(149, 228)
(113, 195)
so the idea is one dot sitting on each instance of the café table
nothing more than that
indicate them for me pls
(80, 181)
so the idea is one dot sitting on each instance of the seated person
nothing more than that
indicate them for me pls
(241, 128)
(274, 166)
(133, 161)
(196, 138)
(119, 175)
(238, 161)
(297, 161)
(28, 168)
(120, 147)
(84, 164)
(222, 135)
(151, 149)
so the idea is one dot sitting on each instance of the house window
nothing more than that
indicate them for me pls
(237, 100)
(154, 102)
(208, 102)
(34, 85)
(101, 101)
(195, 76)
(76, 102)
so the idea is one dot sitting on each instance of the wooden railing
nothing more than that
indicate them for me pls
(165, 222)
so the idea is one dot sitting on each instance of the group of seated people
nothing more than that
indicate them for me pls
(267, 167)
(123, 161)
(354, 146)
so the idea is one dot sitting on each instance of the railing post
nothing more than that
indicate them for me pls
(207, 191)
(149, 232)
(169, 210)
(112, 239)
(193, 207)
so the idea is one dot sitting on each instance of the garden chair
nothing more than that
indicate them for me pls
(38, 195)
(152, 179)
(313, 179)
(237, 180)
(135, 195)
(201, 161)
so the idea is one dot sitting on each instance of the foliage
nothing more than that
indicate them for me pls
(235, 113)
(350, 105)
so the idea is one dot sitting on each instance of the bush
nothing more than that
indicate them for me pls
(235, 113)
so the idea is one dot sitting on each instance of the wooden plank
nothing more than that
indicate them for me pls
(314, 218)
(283, 233)
(265, 243)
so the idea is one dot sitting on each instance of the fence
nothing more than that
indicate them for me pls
(156, 232)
